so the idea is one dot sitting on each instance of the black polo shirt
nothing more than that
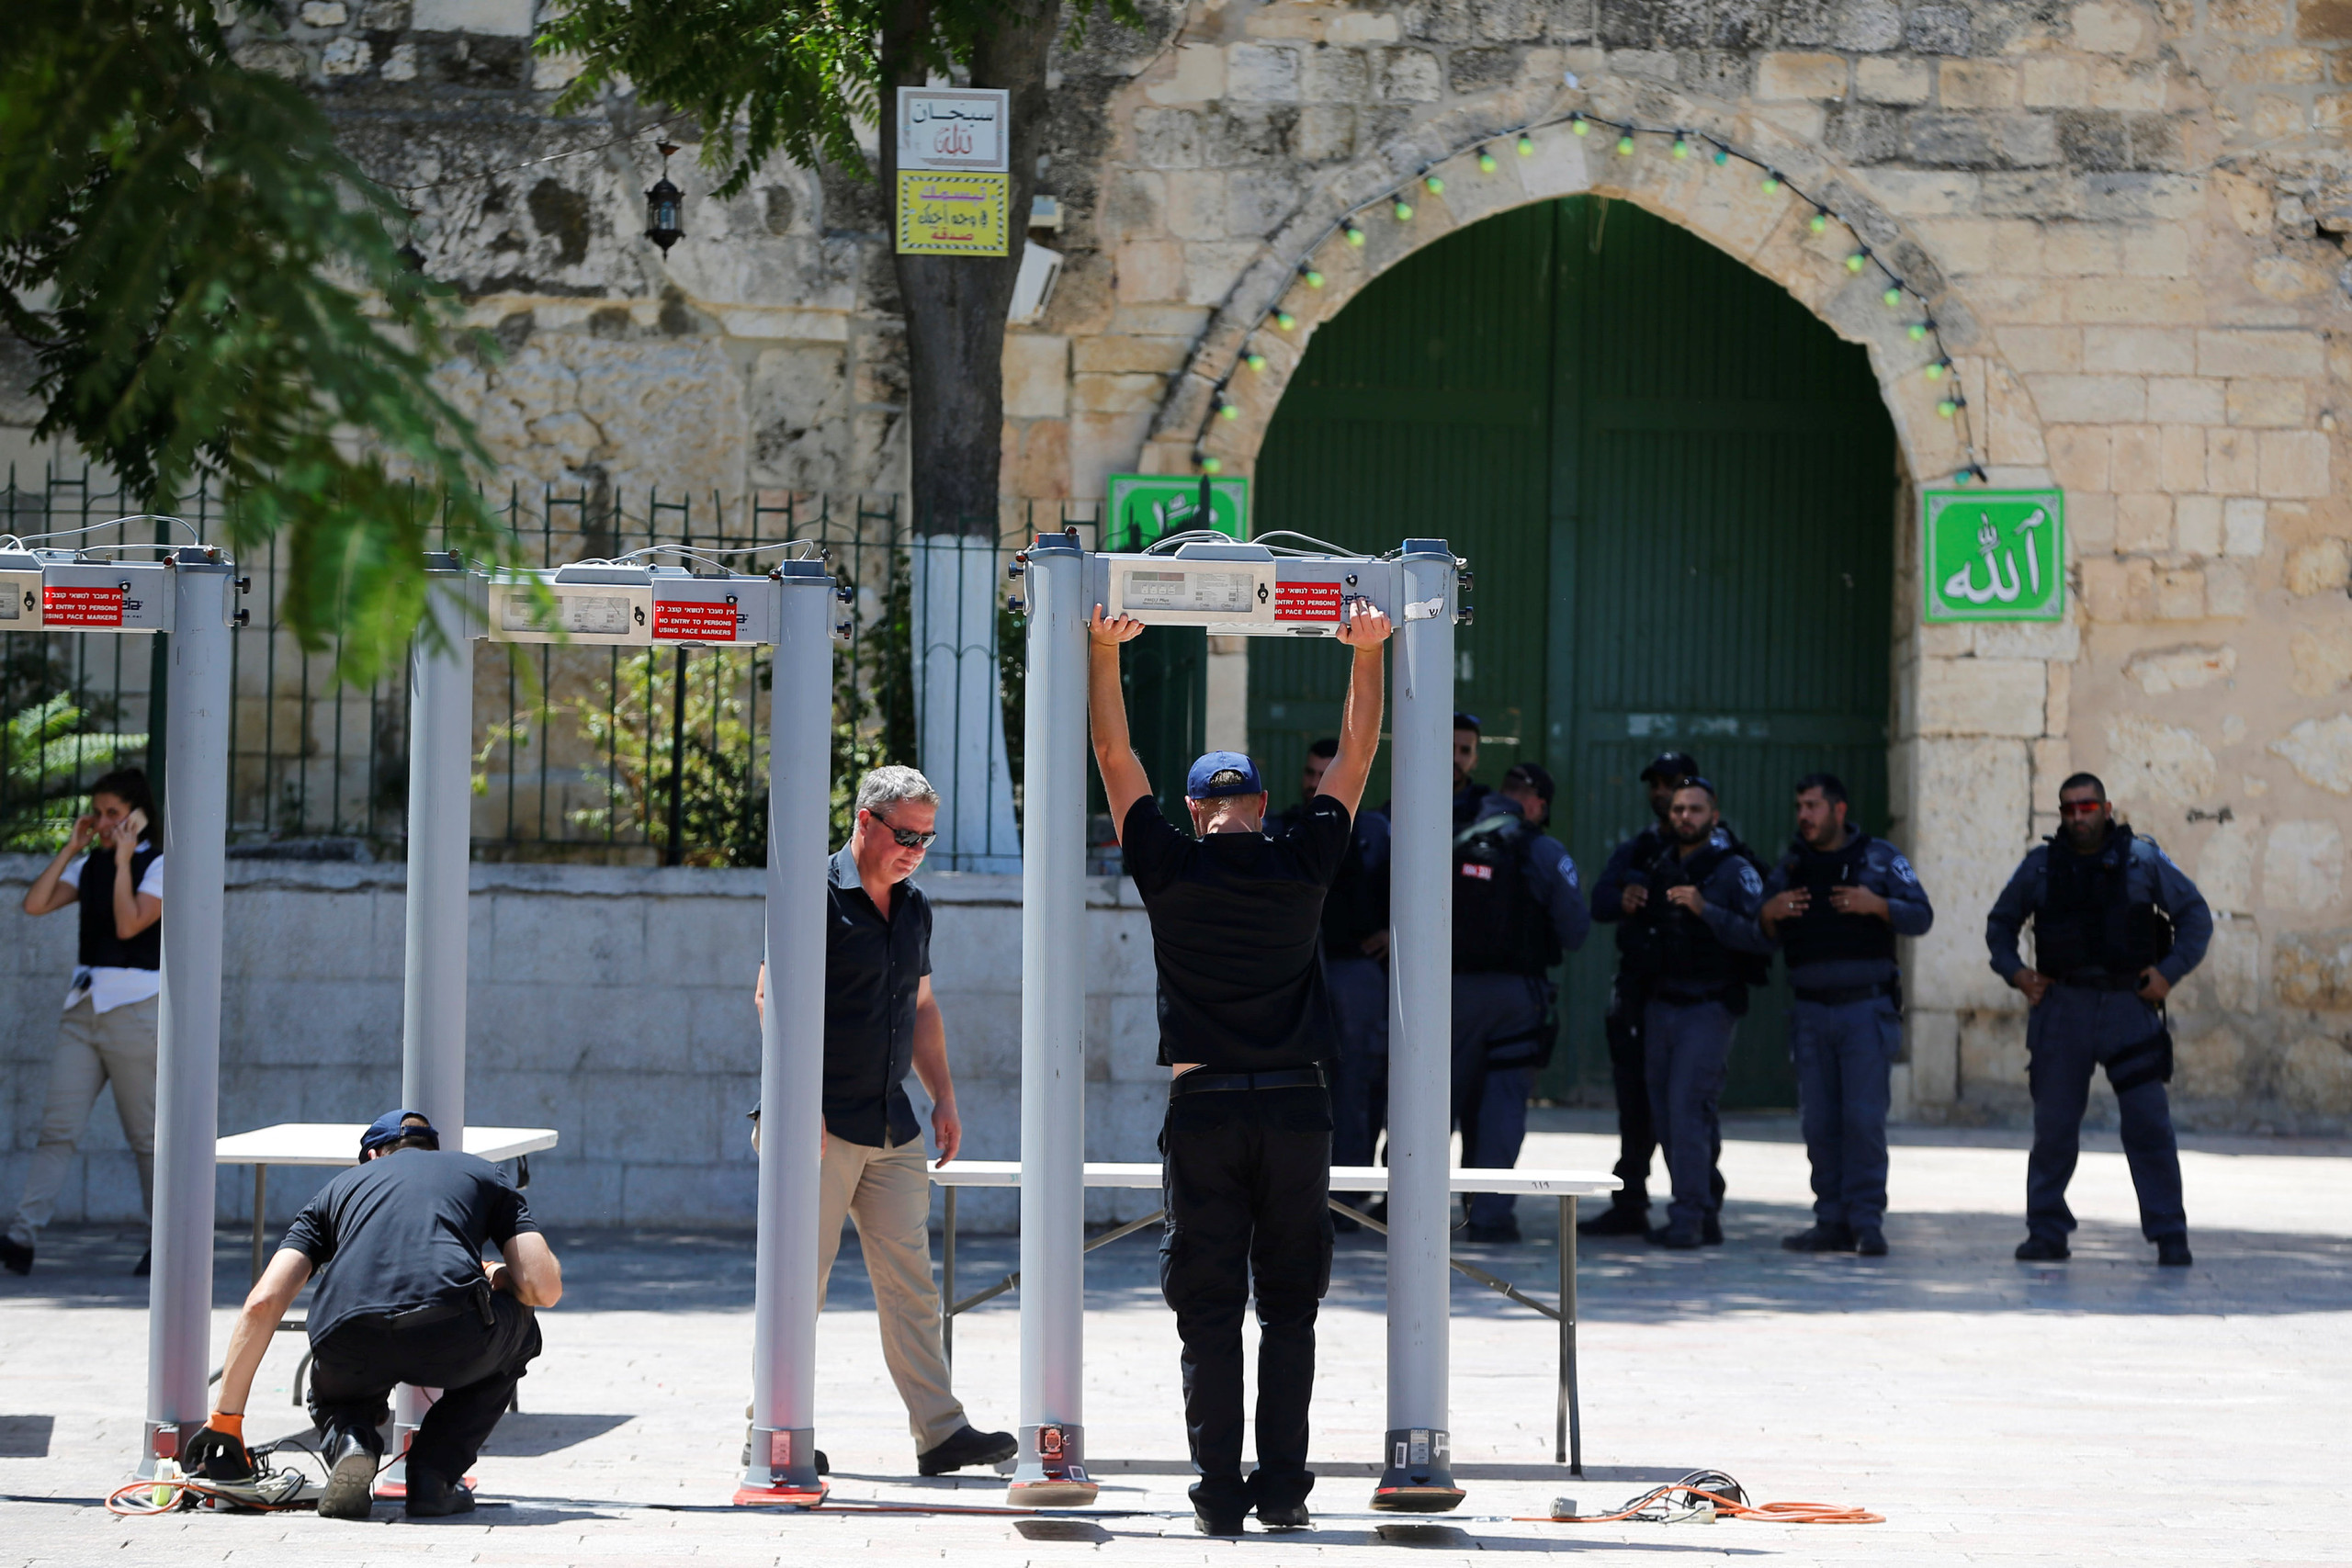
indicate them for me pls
(402, 1232)
(872, 969)
(1237, 922)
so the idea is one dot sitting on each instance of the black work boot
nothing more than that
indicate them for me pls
(350, 1455)
(1870, 1241)
(967, 1447)
(1618, 1219)
(1220, 1504)
(2172, 1252)
(1675, 1238)
(433, 1495)
(2044, 1249)
(16, 1256)
(1821, 1238)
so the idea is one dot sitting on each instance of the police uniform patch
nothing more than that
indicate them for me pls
(1902, 868)
(1750, 884)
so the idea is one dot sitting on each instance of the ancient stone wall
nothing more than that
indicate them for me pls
(2126, 219)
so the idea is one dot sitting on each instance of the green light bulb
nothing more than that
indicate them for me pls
(1578, 124)
(1212, 465)
(1854, 261)
(1947, 408)
(1936, 371)
(1722, 157)
(1355, 235)
(1403, 210)
(1526, 145)
(1681, 148)
(1230, 410)
(1820, 222)
(1485, 161)
(1314, 278)
(1256, 361)
(1893, 297)
(1963, 476)
(1918, 331)
(1771, 183)
(1284, 319)
(1433, 184)
(1625, 146)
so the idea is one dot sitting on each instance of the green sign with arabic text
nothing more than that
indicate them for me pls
(1994, 554)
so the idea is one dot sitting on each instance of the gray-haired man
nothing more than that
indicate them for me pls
(881, 1022)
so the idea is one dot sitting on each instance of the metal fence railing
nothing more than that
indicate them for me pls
(619, 756)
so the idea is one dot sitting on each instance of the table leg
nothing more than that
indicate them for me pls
(947, 1270)
(1571, 1414)
(261, 1202)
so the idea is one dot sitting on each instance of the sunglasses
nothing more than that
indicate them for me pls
(907, 837)
(2081, 808)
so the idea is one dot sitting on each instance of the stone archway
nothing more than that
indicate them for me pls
(1979, 718)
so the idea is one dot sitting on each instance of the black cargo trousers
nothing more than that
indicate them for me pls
(1246, 1181)
(473, 1360)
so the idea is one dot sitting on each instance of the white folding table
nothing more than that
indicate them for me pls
(1566, 1186)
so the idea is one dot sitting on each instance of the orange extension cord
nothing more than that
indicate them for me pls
(1725, 1507)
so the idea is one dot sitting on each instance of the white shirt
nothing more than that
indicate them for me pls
(108, 987)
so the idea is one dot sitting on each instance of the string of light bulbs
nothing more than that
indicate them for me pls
(1860, 257)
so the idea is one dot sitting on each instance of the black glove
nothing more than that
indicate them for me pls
(214, 1455)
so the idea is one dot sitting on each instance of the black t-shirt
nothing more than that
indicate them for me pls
(1236, 934)
(403, 1231)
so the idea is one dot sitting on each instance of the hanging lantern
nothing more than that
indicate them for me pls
(662, 207)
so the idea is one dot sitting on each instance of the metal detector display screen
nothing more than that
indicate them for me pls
(1208, 593)
(582, 615)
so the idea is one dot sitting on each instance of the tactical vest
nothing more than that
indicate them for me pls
(2087, 922)
(1681, 949)
(101, 948)
(1821, 934)
(1499, 925)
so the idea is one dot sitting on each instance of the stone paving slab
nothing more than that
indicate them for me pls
(2091, 1412)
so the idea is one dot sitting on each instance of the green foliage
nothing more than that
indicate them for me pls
(47, 762)
(211, 288)
(874, 710)
(763, 76)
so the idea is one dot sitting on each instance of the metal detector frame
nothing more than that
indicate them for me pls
(1254, 590)
(791, 609)
(191, 594)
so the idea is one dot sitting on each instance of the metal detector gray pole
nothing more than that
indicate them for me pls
(783, 1467)
(440, 855)
(187, 1050)
(1051, 1469)
(440, 849)
(1417, 1475)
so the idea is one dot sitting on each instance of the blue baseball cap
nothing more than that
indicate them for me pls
(1219, 773)
(389, 1129)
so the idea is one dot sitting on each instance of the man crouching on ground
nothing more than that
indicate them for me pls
(1245, 1026)
(403, 1296)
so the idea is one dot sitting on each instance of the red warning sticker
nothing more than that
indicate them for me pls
(81, 606)
(680, 620)
(1306, 601)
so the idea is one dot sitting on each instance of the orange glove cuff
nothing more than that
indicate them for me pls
(226, 1424)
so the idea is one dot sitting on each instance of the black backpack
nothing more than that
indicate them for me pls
(1498, 926)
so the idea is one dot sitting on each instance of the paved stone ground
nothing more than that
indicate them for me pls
(2095, 1410)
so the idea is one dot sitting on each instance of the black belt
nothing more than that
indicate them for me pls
(1199, 1082)
(1841, 995)
(2101, 980)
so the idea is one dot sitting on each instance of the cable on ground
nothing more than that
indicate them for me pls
(1705, 1495)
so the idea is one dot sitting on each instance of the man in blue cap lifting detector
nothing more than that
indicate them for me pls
(1245, 1028)
(403, 1296)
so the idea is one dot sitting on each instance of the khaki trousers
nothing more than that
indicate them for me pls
(887, 1192)
(93, 1049)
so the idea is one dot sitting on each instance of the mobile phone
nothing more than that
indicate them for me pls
(135, 824)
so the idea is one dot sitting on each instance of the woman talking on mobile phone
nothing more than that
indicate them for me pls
(108, 1034)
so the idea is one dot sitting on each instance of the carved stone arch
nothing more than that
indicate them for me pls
(1725, 205)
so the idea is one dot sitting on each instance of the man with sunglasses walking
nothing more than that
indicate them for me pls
(881, 1022)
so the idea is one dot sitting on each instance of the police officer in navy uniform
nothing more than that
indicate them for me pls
(1517, 910)
(1245, 1029)
(2116, 925)
(1693, 899)
(1356, 969)
(1834, 906)
(1629, 1212)
(1469, 794)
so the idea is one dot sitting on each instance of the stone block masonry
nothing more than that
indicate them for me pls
(614, 1005)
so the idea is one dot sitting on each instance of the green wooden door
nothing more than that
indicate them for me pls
(1676, 489)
